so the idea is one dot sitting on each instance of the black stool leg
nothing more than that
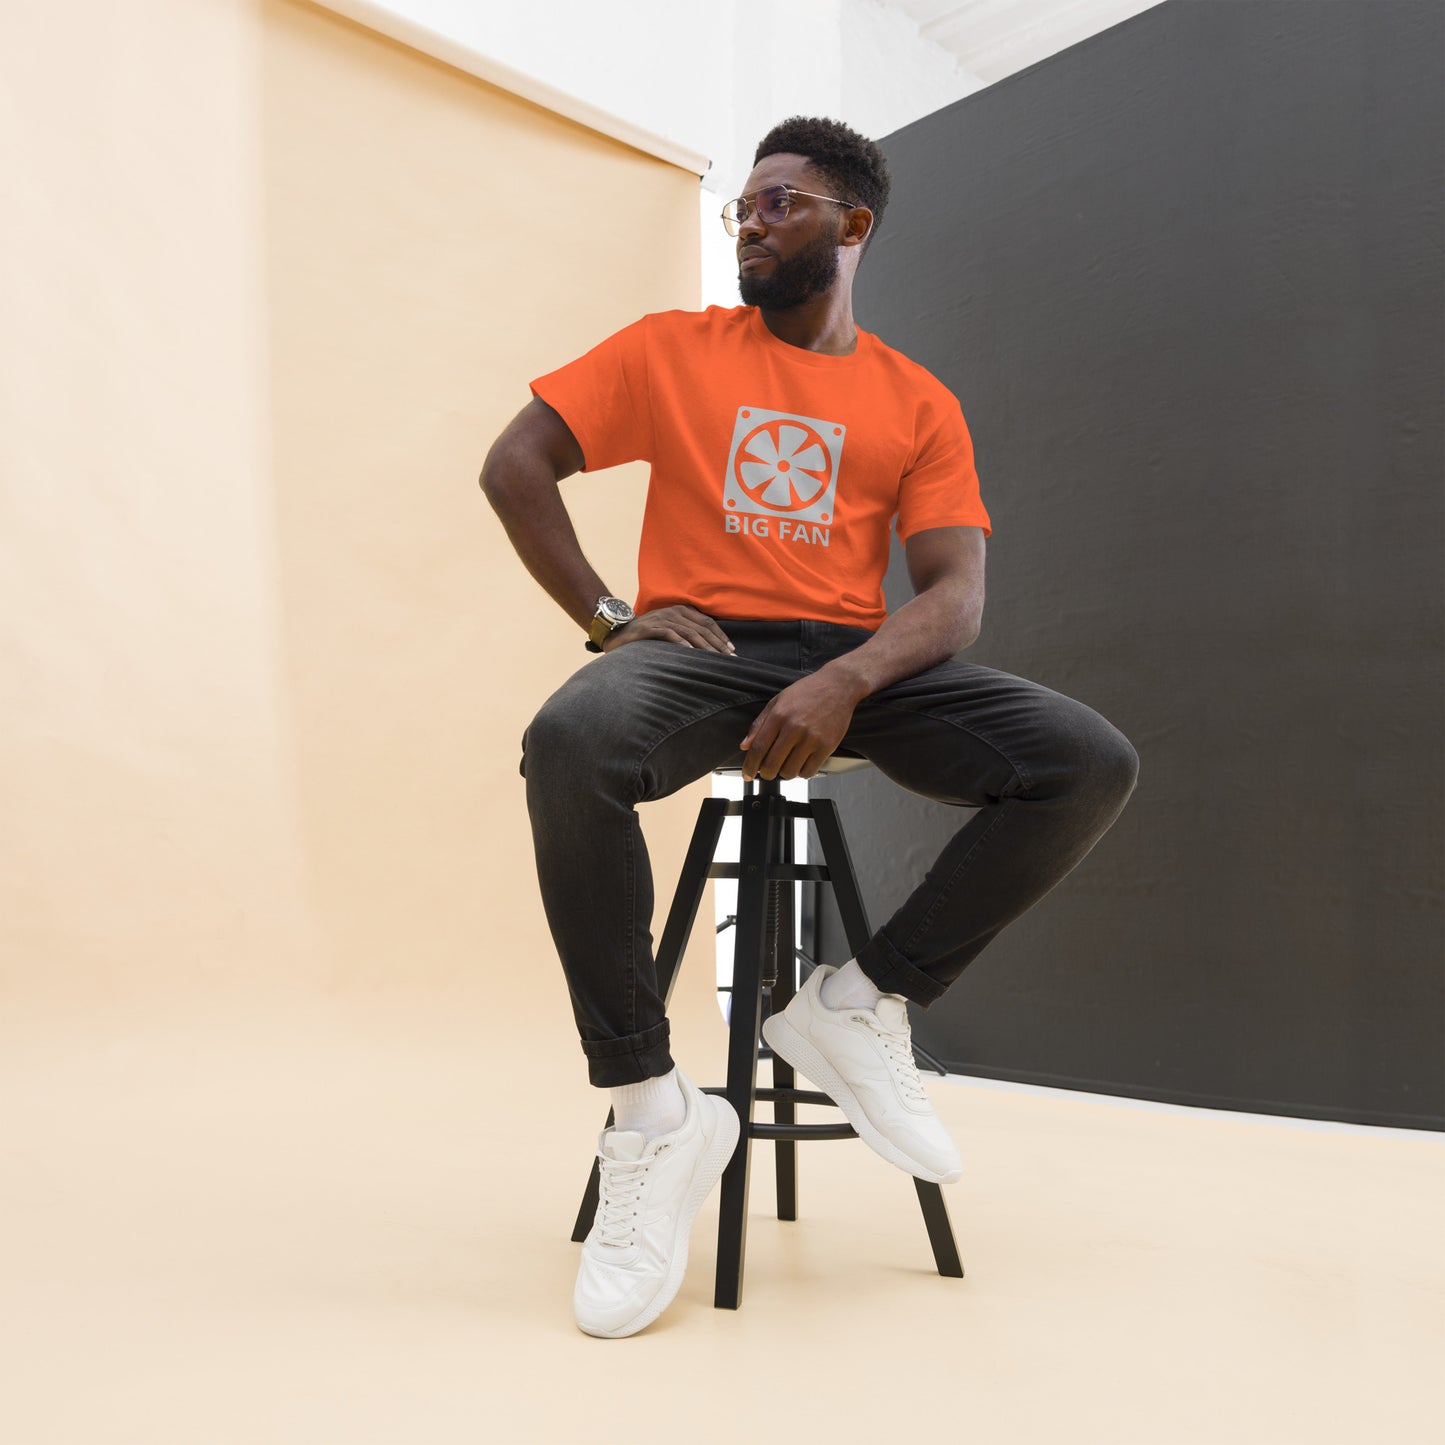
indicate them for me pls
(587, 1210)
(855, 925)
(784, 969)
(745, 1019)
(691, 884)
(940, 1230)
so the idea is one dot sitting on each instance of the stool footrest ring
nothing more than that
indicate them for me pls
(795, 1132)
(779, 1096)
(802, 1131)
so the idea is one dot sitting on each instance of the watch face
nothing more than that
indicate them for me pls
(615, 610)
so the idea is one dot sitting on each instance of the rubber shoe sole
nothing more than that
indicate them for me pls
(717, 1153)
(794, 1049)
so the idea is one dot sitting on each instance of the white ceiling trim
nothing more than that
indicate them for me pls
(454, 52)
(996, 38)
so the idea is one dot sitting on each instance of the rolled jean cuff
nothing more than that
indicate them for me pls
(893, 973)
(614, 1062)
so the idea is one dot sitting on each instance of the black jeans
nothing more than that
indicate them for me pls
(1047, 774)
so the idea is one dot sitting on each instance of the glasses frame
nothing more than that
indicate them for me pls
(733, 224)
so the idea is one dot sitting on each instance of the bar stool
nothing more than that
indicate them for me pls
(765, 963)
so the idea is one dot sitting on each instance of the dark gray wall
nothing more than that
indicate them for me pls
(1186, 280)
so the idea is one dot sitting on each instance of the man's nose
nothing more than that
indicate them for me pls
(752, 226)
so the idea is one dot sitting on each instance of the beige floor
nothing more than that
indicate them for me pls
(327, 1223)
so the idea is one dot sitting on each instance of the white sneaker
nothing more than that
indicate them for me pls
(863, 1060)
(635, 1256)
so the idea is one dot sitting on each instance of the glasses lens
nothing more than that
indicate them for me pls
(773, 204)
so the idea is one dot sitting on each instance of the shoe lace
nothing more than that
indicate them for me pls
(619, 1207)
(898, 1047)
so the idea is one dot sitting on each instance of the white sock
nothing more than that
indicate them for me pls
(850, 987)
(653, 1107)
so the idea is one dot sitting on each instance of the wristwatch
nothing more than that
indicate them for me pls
(612, 613)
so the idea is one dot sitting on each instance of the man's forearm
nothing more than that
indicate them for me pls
(946, 567)
(525, 496)
(934, 626)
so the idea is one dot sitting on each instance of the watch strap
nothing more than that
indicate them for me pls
(598, 632)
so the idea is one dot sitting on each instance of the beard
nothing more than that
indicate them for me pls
(810, 273)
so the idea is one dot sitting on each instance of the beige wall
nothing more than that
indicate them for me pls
(275, 284)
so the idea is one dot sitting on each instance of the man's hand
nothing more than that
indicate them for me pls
(681, 624)
(800, 728)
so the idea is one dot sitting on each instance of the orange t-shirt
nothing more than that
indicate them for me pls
(776, 472)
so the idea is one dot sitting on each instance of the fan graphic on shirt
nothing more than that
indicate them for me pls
(783, 465)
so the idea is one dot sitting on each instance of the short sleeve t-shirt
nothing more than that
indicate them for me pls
(776, 472)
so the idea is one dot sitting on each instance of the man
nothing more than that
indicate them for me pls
(784, 444)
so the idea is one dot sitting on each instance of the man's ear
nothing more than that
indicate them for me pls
(857, 226)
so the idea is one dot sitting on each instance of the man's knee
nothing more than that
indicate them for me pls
(1119, 765)
(556, 736)
(1111, 767)
(1096, 763)
(585, 738)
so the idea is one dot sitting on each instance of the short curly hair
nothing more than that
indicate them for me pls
(853, 164)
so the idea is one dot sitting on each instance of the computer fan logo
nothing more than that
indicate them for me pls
(783, 465)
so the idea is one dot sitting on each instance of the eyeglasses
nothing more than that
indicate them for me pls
(771, 204)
